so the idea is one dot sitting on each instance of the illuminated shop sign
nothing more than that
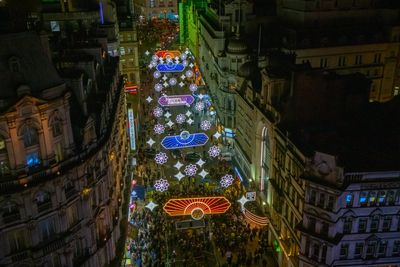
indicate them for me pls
(131, 121)
(176, 100)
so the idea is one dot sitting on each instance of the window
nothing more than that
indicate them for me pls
(32, 159)
(72, 215)
(363, 199)
(313, 196)
(323, 63)
(59, 152)
(347, 225)
(311, 224)
(342, 61)
(325, 229)
(358, 60)
(10, 212)
(30, 137)
(377, 58)
(4, 163)
(358, 250)
(16, 241)
(382, 249)
(372, 198)
(381, 198)
(321, 202)
(370, 249)
(362, 225)
(323, 254)
(56, 129)
(344, 251)
(396, 248)
(374, 224)
(331, 201)
(315, 252)
(387, 222)
(390, 198)
(349, 200)
(47, 228)
(43, 201)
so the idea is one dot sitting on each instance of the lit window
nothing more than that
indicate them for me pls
(32, 159)
(363, 198)
(349, 200)
(372, 198)
(381, 197)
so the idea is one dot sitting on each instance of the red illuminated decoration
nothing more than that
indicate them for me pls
(251, 217)
(196, 207)
(168, 53)
(131, 89)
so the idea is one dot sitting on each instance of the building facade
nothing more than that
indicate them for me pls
(63, 167)
(163, 9)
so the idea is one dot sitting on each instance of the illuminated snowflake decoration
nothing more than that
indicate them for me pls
(226, 180)
(158, 87)
(161, 185)
(183, 56)
(189, 73)
(161, 158)
(180, 118)
(157, 112)
(185, 63)
(214, 151)
(173, 81)
(157, 74)
(205, 125)
(153, 64)
(159, 128)
(193, 87)
(154, 58)
(199, 106)
(190, 170)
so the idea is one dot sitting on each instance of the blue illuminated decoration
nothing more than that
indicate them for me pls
(238, 174)
(32, 159)
(170, 67)
(349, 199)
(185, 139)
(101, 12)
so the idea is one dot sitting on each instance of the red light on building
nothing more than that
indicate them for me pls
(131, 89)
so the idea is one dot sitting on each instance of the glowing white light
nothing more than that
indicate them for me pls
(226, 180)
(205, 125)
(159, 128)
(180, 118)
(161, 185)
(161, 158)
(157, 112)
(214, 151)
(190, 170)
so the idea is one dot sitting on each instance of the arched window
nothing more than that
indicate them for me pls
(43, 201)
(4, 162)
(30, 136)
(56, 128)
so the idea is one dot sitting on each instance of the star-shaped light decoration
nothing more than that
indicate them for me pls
(159, 128)
(242, 201)
(170, 123)
(187, 51)
(150, 66)
(177, 61)
(157, 74)
(183, 76)
(179, 176)
(167, 115)
(168, 59)
(147, 53)
(217, 135)
(189, 73)
(165, 84)
(181, 84)
(205, 125)
(226, 180)
(176, 58)
(200, 162)
(190, 170)
(154, 58)
(161, 185)
(214, 151)
(199, 106)
(151, 206)
(201, 96)
(180, 118)
(150, 142)
(149, 99)
(157, 112)
(190, 121)
(178, 165)
(158, 87)
(165, 77)
(161, 158)
(203, 173)
(188, 113)
(161, 60)
(172, 81)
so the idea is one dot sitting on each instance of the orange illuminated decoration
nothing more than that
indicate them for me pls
(168, 53)
(131, 89)
(196, 207)
(252, 218)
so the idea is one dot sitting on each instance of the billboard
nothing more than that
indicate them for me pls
(131, 125)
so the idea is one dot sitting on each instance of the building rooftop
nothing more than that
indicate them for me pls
(24, 62)
(333, 116)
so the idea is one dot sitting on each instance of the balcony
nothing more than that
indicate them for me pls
(70, 193)
(19, 256)
(44, 206)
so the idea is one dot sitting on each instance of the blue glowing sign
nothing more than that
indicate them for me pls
(170, 67)
(32, 159)
(184, 140)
